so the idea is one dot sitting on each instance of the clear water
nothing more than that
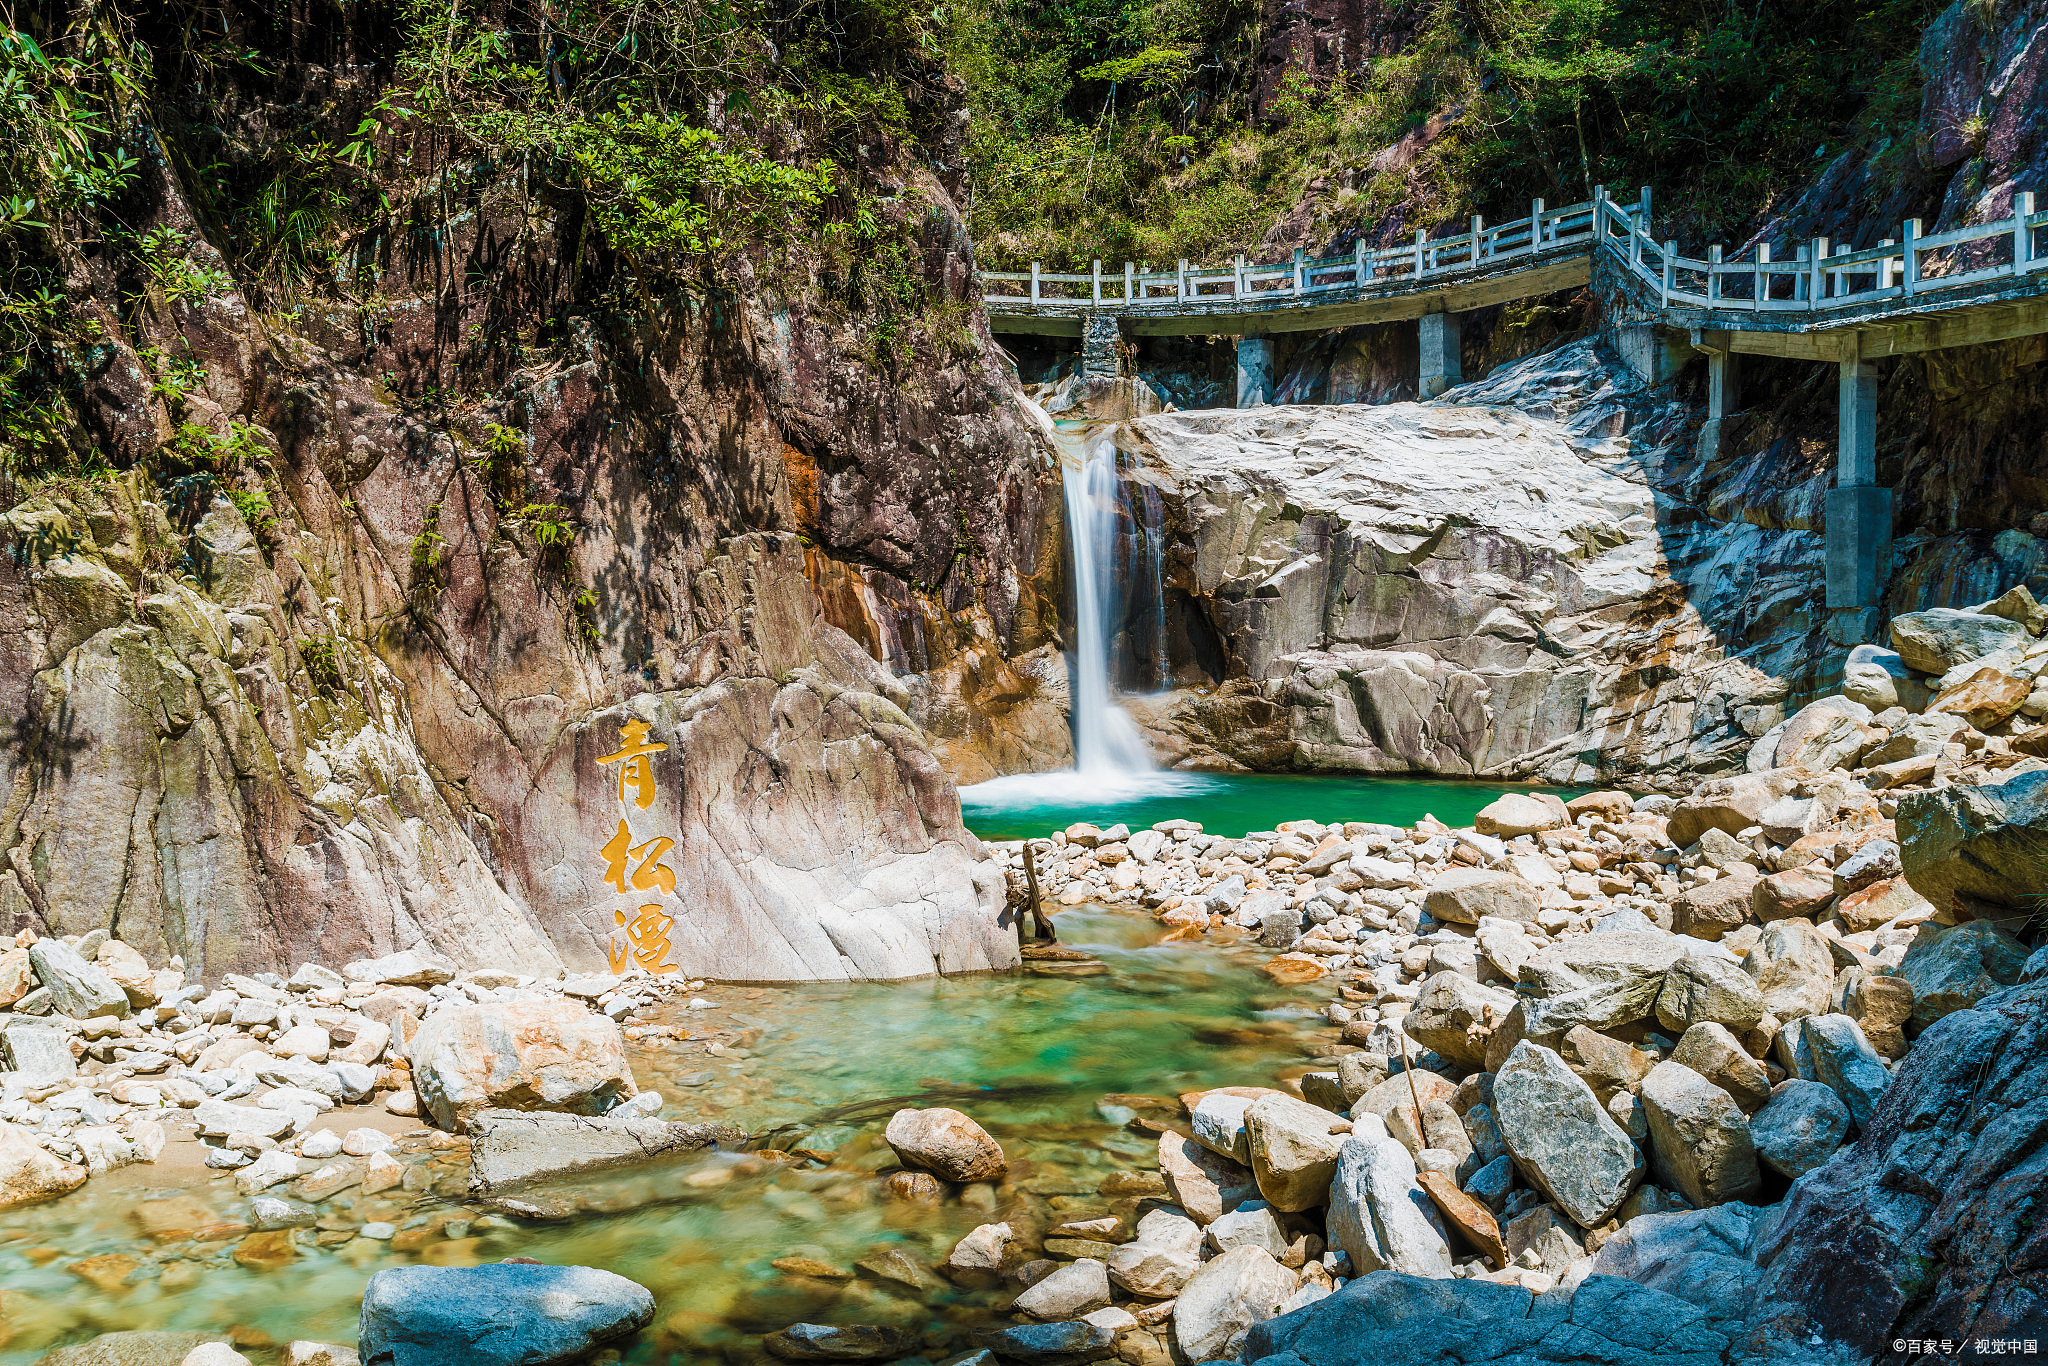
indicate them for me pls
(1034, 805)
(1032, 1057)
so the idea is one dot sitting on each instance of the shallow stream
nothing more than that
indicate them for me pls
(1057, 1067)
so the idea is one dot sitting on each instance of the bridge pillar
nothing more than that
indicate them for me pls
(1100, 339)
(1859, 512)
(1442, 363)
(1723, 389)
(1254, 371)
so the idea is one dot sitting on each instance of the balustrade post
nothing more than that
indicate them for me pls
(1298, 280)
(1817, 288)
(1535, 225)
(2022, 235)
(1670, 251)
(1910, 280)
(1762, 289)
(1419, 267)
(1477, 228)
(1180, 279)
(1034, 282)
(1098, 282)
(1358, 262)
(1799, 280)
(1237, 289)
(1128, 299)
(1643, 211)
(1713, 275)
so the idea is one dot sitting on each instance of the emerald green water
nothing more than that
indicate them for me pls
(1035, 805)
(1055, 1067)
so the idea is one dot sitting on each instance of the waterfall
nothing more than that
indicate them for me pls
(1106, 740)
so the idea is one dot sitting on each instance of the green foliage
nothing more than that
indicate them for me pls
(322, 658)
(428, 552)
(195, 449)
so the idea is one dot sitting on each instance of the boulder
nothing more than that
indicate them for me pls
(1601, 981)
(1793, 893)
(77, 988)
(1730, 804)
(28, 1173)
(976, 1261)
(1711, 910)
(1218, 1122)
(1831, 733)
(1986, 844)
(1794, 969)
(1454, 1015)
(409, 968)
(1521, 813)
(1918, 737)
(840, 1342)
(1882, 1005)
(550, 1054)
(1044, 1344)
(1799, 1127)
(1252, 1224)
(1607, 1065)
(1549, 1235)
(1202, 1182)
(1707, 988)
(1463, 896)
(1984, 699)
(1951, 968)
(1608, 805)
(945, 1143)
(1872, 861)
(1562, 1138)
(1935, 641)
(503, 1314)
(1158, 1261)
(1293, 1152)
(511, 1148)
(1846, 1064)
(1882, 903)
(1379, 1214)
(1700, 1138)
(1402, 1091)
(40, 1053)
(1716, 1054)
(1221, 1302)
(2018, 604)
(135, 1347)
(1705, 1257)
(1078, 1288)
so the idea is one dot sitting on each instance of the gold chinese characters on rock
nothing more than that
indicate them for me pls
(633, 865)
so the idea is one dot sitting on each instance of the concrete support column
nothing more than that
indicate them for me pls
(1723, 379)
(1254, 371)
(1859, 513)
(1100, 339)
(1442, 365)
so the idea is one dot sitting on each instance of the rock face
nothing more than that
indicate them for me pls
(946, 1143)
(1988, 845)
(528, 1055)
(1563, 1140)
(501, 1315)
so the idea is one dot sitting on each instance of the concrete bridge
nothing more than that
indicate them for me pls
(1913, 292)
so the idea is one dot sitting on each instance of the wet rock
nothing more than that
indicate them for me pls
(1521, 813)
(76, 987)
(496, 1315)
(1730, 805)
(1794, 969)
(1158, 1261)
(1293, 1152)
(1799, 1127)
(1951, 968)
(836, 1342)
(1075, 1289)
(913, 1188)
(1222, 1301)
(1935, 641)
(1707, 988)
(1464, 897)
(1047, 1344)
(946, 1143)
(976, 1261)
(1700, 1138)
(550, 1054)
(1561, 1137)
(138, 1347)
(509, 1148)
(1716, 1054)
(1845, 1063)
(1202, 1182)
(1986, 844)
(28, 1173)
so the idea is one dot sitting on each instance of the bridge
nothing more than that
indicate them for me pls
(1909, 293)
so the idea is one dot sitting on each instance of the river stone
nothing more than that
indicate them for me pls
(502, 1314)
(1222, 1300)
(1203, 1183)
(1075, 1289)
(1047, 1344)
(836, 1342)
(1606, 1065)
(1157, 1262)
(1845, 1063)
(946, 1143)
(1700, 1138)
(1548, 1234)
(976, 1261)
(1521, 813)
(1882, 1005)
(76, 987)
(1379, 1214)
(1935, 641)
(219, 1118)
(1951, 968)
(1831, 733)
(1730, 805)
(1710, 1050)
(1705, 987)
(1218, 1122)
(28, 1173)
(1601, 981)
(509, 1148)
(1794, 969)
(1403, 1090)
(551, 1054)
(1562, 1139)
(1464, 896)
(1252, 1224)
(1794, 892)
(1874, 861)
(40, 1053)
(1712, 909)
(1989, 844)
(1454, 1015)
(136, 1347)
(1293, 1152)
(1883, 903)
(1799, 1128)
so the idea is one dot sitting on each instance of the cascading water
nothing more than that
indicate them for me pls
(1106, 740)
